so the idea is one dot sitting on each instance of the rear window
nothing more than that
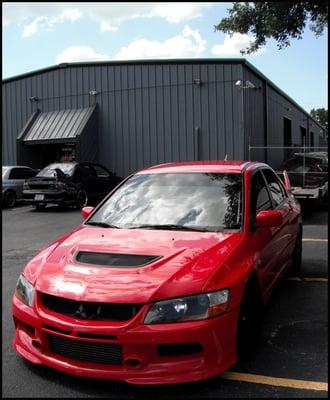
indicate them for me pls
(56, 169)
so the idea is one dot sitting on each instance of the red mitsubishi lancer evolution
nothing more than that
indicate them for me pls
(165, 281)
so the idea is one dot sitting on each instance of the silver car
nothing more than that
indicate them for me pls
(13, 178)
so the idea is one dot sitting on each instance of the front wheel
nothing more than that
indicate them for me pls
(250, 321)
(82, 199)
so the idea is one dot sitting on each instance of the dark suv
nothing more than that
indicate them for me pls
(308, 173)
(69, 183)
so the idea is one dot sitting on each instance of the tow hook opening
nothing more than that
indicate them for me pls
(37, 344)
(132, 362)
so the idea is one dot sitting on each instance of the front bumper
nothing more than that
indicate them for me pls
(140, 342)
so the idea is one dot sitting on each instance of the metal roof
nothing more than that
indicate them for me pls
(59, 126)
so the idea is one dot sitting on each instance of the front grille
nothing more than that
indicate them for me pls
(114, 260)
(99, 353)
(90, 310)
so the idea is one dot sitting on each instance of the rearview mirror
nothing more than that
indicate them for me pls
(269, 219)
(86, 211)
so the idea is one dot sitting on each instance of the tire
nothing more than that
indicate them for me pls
(82, 199)
(39, 206)
(9, 199)
(297, 255)
(249, 321)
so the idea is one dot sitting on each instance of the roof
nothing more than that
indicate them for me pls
(168, 61)
(60, 125)
(230, 166)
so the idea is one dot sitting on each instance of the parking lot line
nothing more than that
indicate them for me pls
(272, 381)
(314, 240)
(308, 279)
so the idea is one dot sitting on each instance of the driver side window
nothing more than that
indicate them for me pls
(260, 196)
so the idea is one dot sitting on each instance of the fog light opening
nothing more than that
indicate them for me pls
(133, 362)
(37, 344)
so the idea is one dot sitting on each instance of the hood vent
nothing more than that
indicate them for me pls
(115, 260)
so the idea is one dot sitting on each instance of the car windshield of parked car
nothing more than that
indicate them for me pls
(303, 163)
(53, 170)
(4, 170)
(196, 201)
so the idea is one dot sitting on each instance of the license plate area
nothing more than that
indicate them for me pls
(39, 197)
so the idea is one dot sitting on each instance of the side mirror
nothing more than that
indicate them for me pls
(269, 219)
(86, 211)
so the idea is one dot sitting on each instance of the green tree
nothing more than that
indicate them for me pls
(282, 21)
(321, 115)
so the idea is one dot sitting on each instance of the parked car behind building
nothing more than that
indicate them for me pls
(69, 183)
(308, 174)
(13, 178)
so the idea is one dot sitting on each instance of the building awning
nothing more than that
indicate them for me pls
(56, 126)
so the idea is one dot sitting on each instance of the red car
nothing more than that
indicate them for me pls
(165, 281)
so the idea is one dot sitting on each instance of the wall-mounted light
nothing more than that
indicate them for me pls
(93, 92)
(34, 98)
(246, 85)
(197, 81)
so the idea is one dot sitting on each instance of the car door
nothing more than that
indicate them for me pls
(104, 179)
(263, 238)
(85, 176)
(282, 235)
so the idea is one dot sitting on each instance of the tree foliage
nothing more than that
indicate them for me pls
(282, 21)
(321, 115)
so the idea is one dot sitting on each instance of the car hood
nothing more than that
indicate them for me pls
(187, 260)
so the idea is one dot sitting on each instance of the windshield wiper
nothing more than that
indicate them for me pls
(102, 224)
(171, 227)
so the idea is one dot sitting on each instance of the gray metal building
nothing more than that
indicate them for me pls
(129, 115)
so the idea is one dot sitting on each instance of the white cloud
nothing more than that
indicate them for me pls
(71, 15)
(106, 27)
(32, 28)
(80, 53)
(187, 44)
(232, 45)
(108, 15)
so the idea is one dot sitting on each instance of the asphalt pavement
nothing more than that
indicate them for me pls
(293, 345)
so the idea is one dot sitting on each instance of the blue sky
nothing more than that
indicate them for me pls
(38, 35)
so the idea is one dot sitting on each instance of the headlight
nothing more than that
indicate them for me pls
(190, 308)
(25, 291)
(26, 186)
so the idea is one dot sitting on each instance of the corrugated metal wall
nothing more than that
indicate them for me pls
(147, 113)
(151, 113)
(278, 109)
(254, 116)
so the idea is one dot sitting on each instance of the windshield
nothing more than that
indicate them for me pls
(202, 201)
(4, 170)
(51, 170)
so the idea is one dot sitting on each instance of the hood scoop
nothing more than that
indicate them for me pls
(114, 260)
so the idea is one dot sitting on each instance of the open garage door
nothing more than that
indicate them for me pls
(61, 135)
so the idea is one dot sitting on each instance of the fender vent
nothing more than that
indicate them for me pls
(114, 260)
